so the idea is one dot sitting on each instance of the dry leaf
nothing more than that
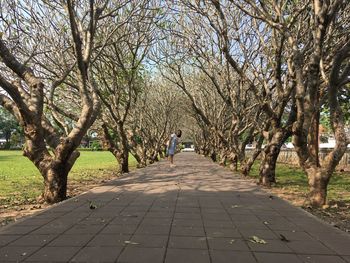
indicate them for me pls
(92, 205)
(283, 238)
(130, 242)
(257, 240)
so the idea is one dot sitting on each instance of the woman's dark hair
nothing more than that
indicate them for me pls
(178, 133)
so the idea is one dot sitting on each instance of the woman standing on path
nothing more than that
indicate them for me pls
(174, 139)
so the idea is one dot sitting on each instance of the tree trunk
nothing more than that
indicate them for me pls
(140, 161)
(318, 181)
(271, 152)
(223, 158)
(53, 169)
(268, 166)
(124, 155)
(123, 161)
(161, 154)
(313, 136)
(213, 156)
(121, 153)
(55, 182)
(234, 162)
(143, 156)
(245, 169)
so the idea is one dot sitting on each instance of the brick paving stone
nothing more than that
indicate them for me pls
(232, 210)
(84, 229)
(321, 259)
(236, 218)
(71, 240)
(188, 222)
(95, 221)
(196, 216)
(340, 245)
(257, 225)
(227, 244)
(213, 211)
(122, 220)
(154, 214)
(154, 221)
(220, 256)
(294, 235)
(159, 241)
(142, 255)
(309, 246)
(264, 234)
(121, 229)
(50, 229)
(18, 229)
(104, 240)
(135, 209)
(218, 217)
(33, 240)
(187, 209)
(188, 242)
(97, 254)
(35, 221)
(222, 232)
(220, 224)
(16, 253)
(5, 239)
(271, 246)
(52, 254)
(50, 214)
(187, 255)
(346, 258)
(187, 231)
(153, 230)
(277, 258)
(195, 212)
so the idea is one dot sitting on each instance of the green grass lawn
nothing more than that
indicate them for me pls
(293, 179)
(20, 181)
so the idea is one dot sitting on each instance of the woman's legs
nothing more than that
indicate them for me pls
(171, 158)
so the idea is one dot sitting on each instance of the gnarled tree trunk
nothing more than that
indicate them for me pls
(120, 152)
(269, 160)
(318, 181)
(245, 169)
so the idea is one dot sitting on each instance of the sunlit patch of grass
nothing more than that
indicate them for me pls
(293, 180)
(21, 182)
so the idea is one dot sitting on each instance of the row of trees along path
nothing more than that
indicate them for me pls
(230, 72)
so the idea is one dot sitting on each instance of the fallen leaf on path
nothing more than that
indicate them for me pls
(257, 240)
(130, 242)
(235, 206)
(283, 238)
(92, 205)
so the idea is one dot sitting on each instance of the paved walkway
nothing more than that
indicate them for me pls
(196, 212)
